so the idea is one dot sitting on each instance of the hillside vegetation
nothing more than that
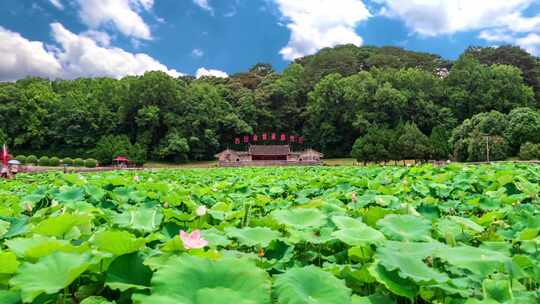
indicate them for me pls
(392, 103)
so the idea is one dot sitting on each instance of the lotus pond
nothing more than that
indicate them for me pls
(359, 235)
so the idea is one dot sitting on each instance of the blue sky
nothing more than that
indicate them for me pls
(74, 38)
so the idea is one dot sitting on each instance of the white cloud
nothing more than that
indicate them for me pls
(204, 5)
(85, 55)
(57, 4)
(497, 20)
(122, 14)
(197, 53)
(215, 73)
(315, 24)
(100, 38)
(435, 17)
(81, 56)
(20, 57)
(531, 43)
(146, 4)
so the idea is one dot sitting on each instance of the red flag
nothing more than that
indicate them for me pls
(282, 137)
(5, 156)
(301, 139)
(273, 136)
(291, 138)
(246, 139)
(255, 138)
(265, 136)
(237, 141)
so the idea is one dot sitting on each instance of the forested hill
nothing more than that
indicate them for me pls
(393, 103)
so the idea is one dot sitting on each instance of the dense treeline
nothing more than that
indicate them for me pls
(387, 102)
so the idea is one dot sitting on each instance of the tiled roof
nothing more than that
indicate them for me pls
(269, 150)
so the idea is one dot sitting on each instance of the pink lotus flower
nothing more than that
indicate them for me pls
(192, 240)
(136, 178)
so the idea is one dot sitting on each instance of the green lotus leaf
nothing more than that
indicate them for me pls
(498, 290)
(477, 260)
(405, 227)
(345, 222)
(49, 275)
(381, 200)
(142, 219)
(39, 246)
(320, 236)
(95, 192)
(59, 226)
(128, 271)
(188, 279)
(71, 195)
(373, 299)
(4, 227)
(408, 263)
(310, 285)
(9, 263)
(10, 297)
(18, 226)
(358, 234)
(300, 218)
(373, 214)
(467, 224)
(215, 237)
(95, 300)
(253, 236)
(393, 282)
(117, 242)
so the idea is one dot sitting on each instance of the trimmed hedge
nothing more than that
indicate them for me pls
(68, 161)
(32, 159)
(90, 163)
(21, 158)
(54, 161)
(43, 161)
(78, 162)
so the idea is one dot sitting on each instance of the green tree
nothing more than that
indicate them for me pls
(440, 147)
(471, 135)
(475, 88)
(111, 146)
(479, 145)
(523, 126)
(174, 147)
(529, 151)
(412, 143)
(375, 146)
(515, 56)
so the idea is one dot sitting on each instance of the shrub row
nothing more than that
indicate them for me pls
(55, 161)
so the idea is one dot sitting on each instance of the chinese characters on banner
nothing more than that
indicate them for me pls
(265, 137)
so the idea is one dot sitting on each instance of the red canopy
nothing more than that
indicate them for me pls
(121, 159)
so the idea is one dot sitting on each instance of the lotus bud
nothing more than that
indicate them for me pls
(261, 253)
(165, 205)
(136, 178)
(353, 197)
(201, 210)
(28, 207)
